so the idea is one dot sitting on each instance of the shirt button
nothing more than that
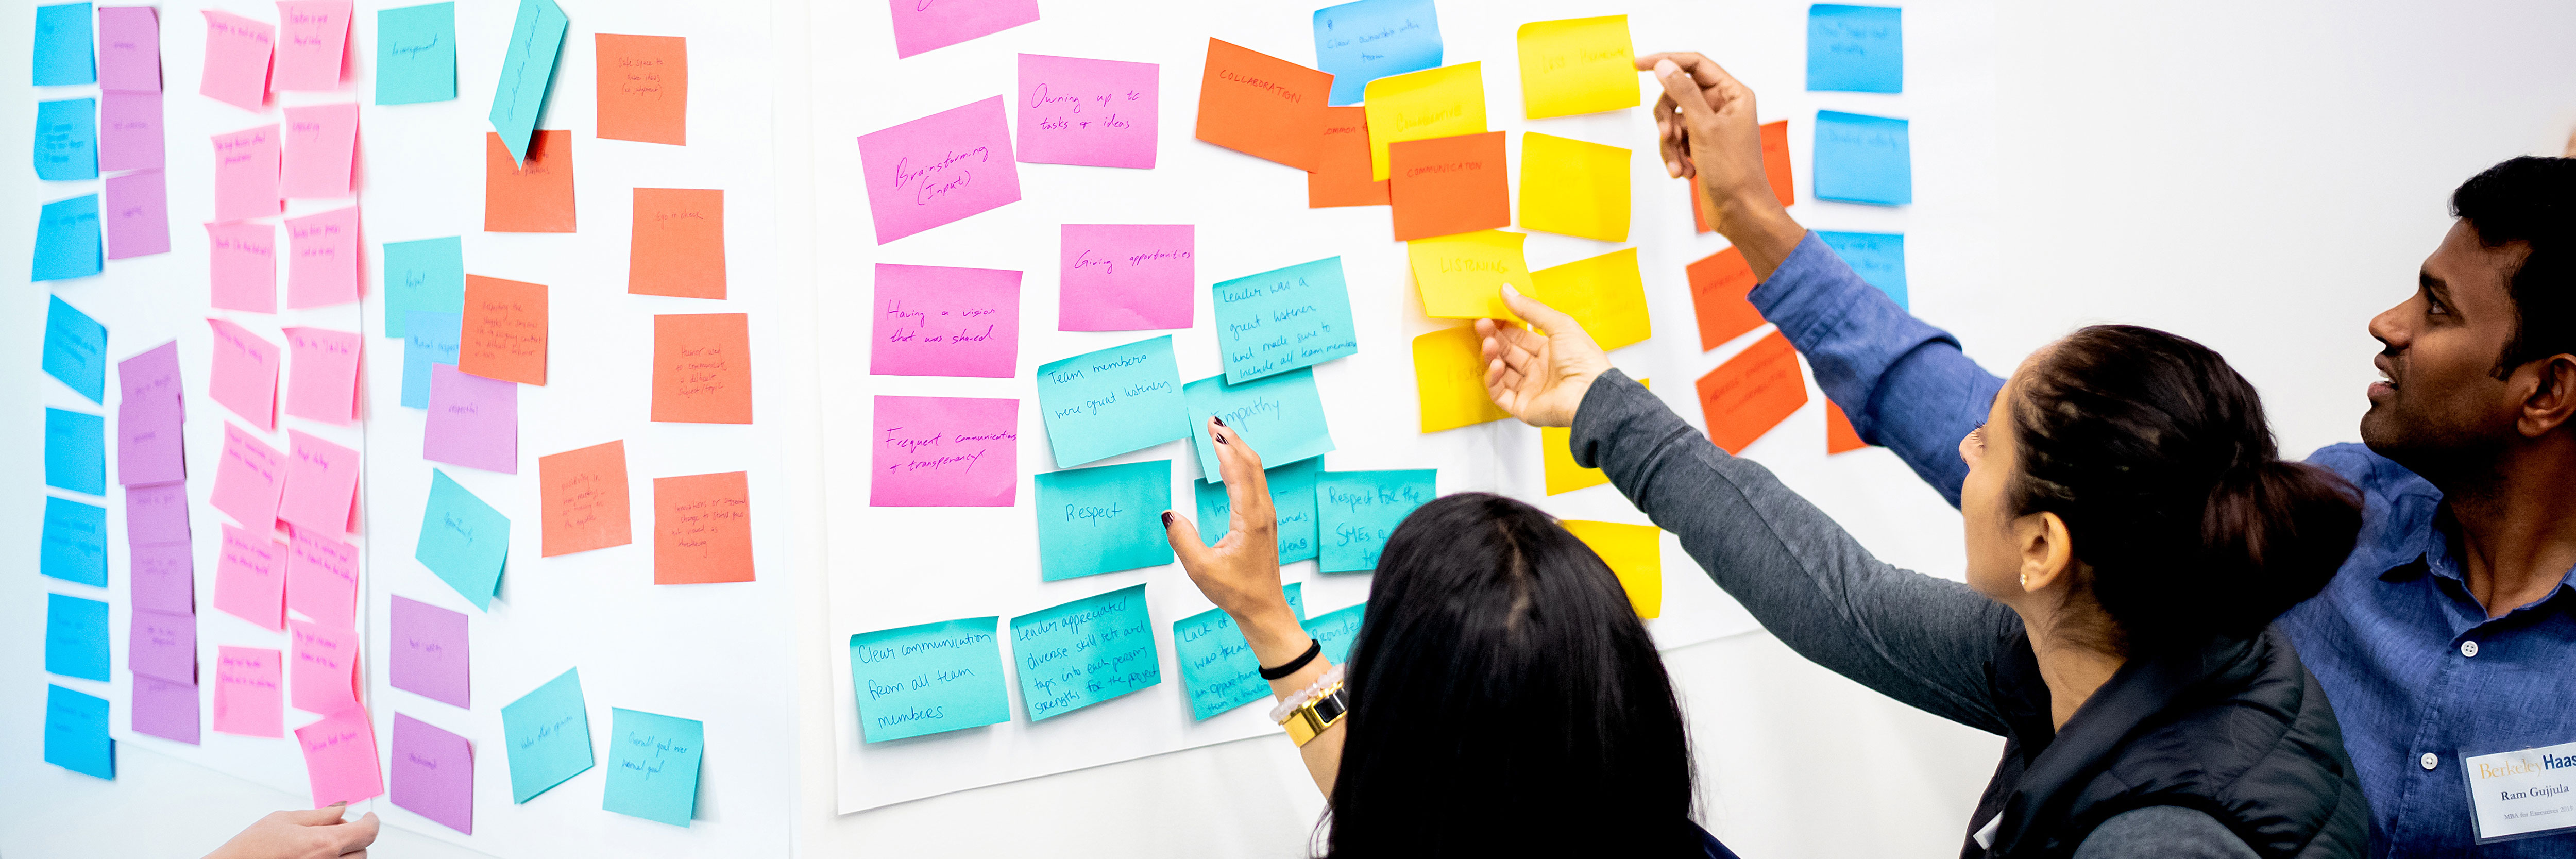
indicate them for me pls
(2430, 761)
(2468, 648)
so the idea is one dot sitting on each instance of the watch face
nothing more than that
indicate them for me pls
(1329, 708)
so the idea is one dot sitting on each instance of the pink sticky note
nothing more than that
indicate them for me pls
(1126, 277)
(244, 374)
(156, 514)
(312, 35)
(165, 709)
(324, 679)
(248, 479)
(430, 653)
(129, 131)
(164, 577)
(129, 49)
(248, 681)
(433, 773)
(246, 174)
(237, 51)
(321, 141)
(473, 421)
(322, 374)
(250, 578)
(939, 168)
(163, 644)
(137, 212)
(322, 259)
(945, 452)
(243, 259)
(322, 579)
(1079, 111)
(922, 25)
(939, 321)
(321, 485)
(340, 755)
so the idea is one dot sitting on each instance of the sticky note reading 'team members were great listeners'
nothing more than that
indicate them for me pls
(939, 321)
(1863, 159)
(939, 168)
(1217, 666)
(1577, 65)
(1102, 520)
(1447, 185)
(1281, 416)
(1752, 392)
(653, 765)
(1358, 510)
(702, 529)
(929, 678)
(1083, 111)
(505, 330)
(944, 452)
(1126, 277)
(1084, 652)
(702, 368)
(1362, 41)
(920, 26)
(1855, 48)
(1284, 319)
(546, 734)
(1104, 403)
(463, 540)
(1442, 102)
(1263, 106)
(1292, 500)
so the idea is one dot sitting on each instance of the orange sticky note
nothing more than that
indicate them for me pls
(1840, 437)
(702, 368)
(678, 243)
(701, 529)
(504, 336)
(535, 198)
(1343, 177)
(1263, 106)
(1448, 185)
(643, 88)
(1449, 379)
(1718, 285)
(1752, 392)
(1556, 459)
(1775, 166)
(582, 494)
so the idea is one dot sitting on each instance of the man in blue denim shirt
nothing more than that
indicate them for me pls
(2450, 632)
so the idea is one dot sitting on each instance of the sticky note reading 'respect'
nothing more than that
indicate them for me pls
(1284, 319)
(463, 540)
(702, 529)
(1101, 520)
(944, 452)
(1281, 416)
(1105, 403)
(940, 321)
(1126, 277)
(1217, 665)
(1855, 48)
(546, 734)
(1442, 102)
(1863, 159)
(678, 243)
(1080, 111)
(416, 59)
(702, 368)
(1360, 509)
(582, 498)
(1263, 106)
(1577, 65)
(137, 215)
(1084, 652)
(505, 330)
(643, 88)
(939, 168)
(1292, 500)
(653, 765)
(1370, 39)
(929, 678)
(1752, 392)
(922, 26)
(1336, 630)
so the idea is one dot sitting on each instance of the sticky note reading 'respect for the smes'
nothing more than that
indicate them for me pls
(546, 735)
(1863, 159)
(702, 368)
(1442, 102)
(1752, 392)
(939, 168)
(1284, 319)
(1635, 555)
(1281, 416)
(531, 194)
(1360, 509)
(643, 88)
(1855, 48)
(1449, 379)
(1262, 106)
(653, 765)
(1461, 275)
(702, 529)
(429, 652)
(929, 678)
(1082, 111)
(1104, 403)
(1101, 520)
(1447, 185)
(1606, 294)
(944, 452)
(1126, 277)
(1365, 40)
(582, 499)
(1292, 501)
(1577, 65)
(1084, 652)
(505, 330)
(922, 27)
(463, 540)
(1574, 187)
(416, 54)
(678, 243)
(940, 321)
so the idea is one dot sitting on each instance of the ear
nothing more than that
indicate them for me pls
(2047, 551)
(2552, 402)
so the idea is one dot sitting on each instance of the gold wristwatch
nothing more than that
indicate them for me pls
(1318, 713)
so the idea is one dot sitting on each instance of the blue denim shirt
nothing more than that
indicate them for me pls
(2387, 637)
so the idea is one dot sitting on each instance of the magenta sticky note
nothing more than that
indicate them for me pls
(940, 321)
(242, 258)
(322, 374)
(322, 259)
(473, 421)
(340, 756)
(250, 578)
(312, 35)
(156, 514)
(1126, 277)
(433, 773)
(1081, 111)
(129, 50)
(321, 142)
(164, 577)
(163, 644)
(237, 52)
(939, 168)
(429, 651)
(243, 374)
(922, 25)
(248, 478)
(137, 212)
(249, 692)
(165, 709)
(945, 452)
(321, 485)
(246, 174)
(325, 660)
(129, 131)
(322, 579)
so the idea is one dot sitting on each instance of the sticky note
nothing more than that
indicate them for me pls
(1855, 48)
(529, 191)
(1718, 286)
(1284, 319)
(325, 674)
(246, 174)
(322, 259)
(920, 27)
(1095, 112)
(1281, 416)
(1370, 39)
(416, 56)
(643, 88)
(248, 479)
(1102, 520)
(148, 443)
(76, 722)
(463, 540)
(137, 215)
(929, 678)
(322, 379)
(505, 328)
(162, 644)
(1557, 466)
(1448, 185)
(702, 368)
(1574, 187)
(944, 452)
(67, 139)
(1126, 277)
(1262, 106)
(1605, 294)
(473, 421)
(939, 168)
(423, 275)
(75, 542)
(1217, 665)
(1840, 435)
(1358, 510)
(67, 240)
(340, 756)
(1342, 173)
(129, 49)
(1449, 379)
(1577, 65)
(75, 349)
(431, 343)
(1292, 500)
(1336, 631)
(702, 529)
(322, 579)
(62, 58)
(582, 499)
(1084, 652)
(164, 709)
(432, 771)
(130, 129)
(250, 578)
(1862, 159)
(1879, 259)
(1108, 402)
(429, 652)
(75, 637)
(653, 765)
(1444, 102)
(75, 451)
(156, 514)
(249, 682)
(321, 486)
(678, 245)
(1461, 276)
(1634, 553)
(237, 60)
(244, 374)
(940, 321)
(241, 259)
(527, 72)
(1752, 392)
(321, 143)
(546, 734)
(164, 577)
(150, 384)
(312, 36)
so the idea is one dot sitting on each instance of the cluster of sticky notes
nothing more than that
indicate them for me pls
(1292, 505)
(1111, 401)
(1218, 668)
(1752, 392)
(929, 678)
(939, 168)
(1126, 277)
(1083, 111)
(1358, 510)
(944, 452)
(1084, 652)
(1634, 553)
(1283, 320)
(1103, 519)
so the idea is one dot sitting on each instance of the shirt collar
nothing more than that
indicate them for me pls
(2427, 548)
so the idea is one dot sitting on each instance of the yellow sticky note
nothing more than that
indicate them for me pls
(1635, 554)
(1556, 446)
(1444, 102)
(1577, 65)
(1605, 294)
(1574, 187)
(1461, 276)
(1449, 376)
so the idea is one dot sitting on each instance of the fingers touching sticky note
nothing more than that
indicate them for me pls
(1442, 102)
(1449, 378)
(1577, 65)
(1752, 392)
(1461, 276)
(1263, 106)
(1606, 294)
(1574, 188)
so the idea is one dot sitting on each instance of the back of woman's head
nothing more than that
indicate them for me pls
(2157, 456)
(1505, 699)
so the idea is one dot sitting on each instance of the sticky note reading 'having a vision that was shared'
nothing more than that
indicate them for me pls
(944, 452)
(929, 678)
(1084, 652)
(1284, 319)
(939, 168)
(940, 321)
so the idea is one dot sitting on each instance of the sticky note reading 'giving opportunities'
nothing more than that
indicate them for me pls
(1362, 41)
(322, 259)
(1341, 176)
(1292, 499)
(241, 261)
(1358, 510)
(929, 678)
(505, 330)
(1449, 185)
(1080, 111)
(653, 765)
(1573, 187)
(1577, 65)
(1449, 378)
(1606, 294)
(1217, 666)
(1718, 286)
(944, 452)
(463, 540)
(1279, 415)
(678, 244)
(430, 653)
(643, 88)
(939, 168)
(1634, 553)
(1102, 520)
(1084, 652)
(1126, 277)
(920, 26)
(702, 529)
(1752, 392)
(1263, 106)
(1461, 276)
(582, 494)
(546, 735)
(1284, 319)
(940, 321)
(702, 368)
(1105, 403)
(237, 55)
(531, 195)
(1442, 102)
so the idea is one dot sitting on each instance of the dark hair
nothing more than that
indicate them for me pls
(2530, 200)
(1505, 700)
(2157, 456)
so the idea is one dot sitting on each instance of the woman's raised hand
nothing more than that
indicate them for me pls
(1539, 377)
(1241, 572)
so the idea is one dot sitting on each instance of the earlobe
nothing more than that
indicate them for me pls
(2047, 551)
(2553, 401)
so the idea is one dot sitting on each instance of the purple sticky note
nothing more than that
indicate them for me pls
(165, 578)
(322, 259)
(312, 36)
(322, 579)
(433, 773)
(321, 491)
(1094, 112)
(156, 515)
(163, 644)
(237, 51)
(243, 260)
(473, 421)
(248, 478)
(939, 168)
(246, 174)
(939, 321)
(149, 418)
(129, 131)
(322, 374)
(129, 50)
(945, 452)
(430, 651)
(137, 212)
(924, 26)
(152, 374)
(1127, 277)
(165, 709)
(321, 140)
(250, 578)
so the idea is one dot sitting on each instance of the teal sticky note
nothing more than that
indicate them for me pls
(62, 47)
(527, 71)
(1863, 159)
(463, 540)
(425, 275)
(1855, 48)
(76, 728)
(76, 451)
(1217, 666)
(1360, 509)
(416, 54)
(546, 734)
(75, 542)
(1879, 259)
(1336, 630)
(1370, 39)
(76, 349)
(1278, 321)
(1084, 652)
(653, 765)
(1292, 499)
(75, 637)
(1105, 403)
(428, 338)
(929, 678)
(67, 243)
(1102, 520)
(1280, 416)
(67, 139)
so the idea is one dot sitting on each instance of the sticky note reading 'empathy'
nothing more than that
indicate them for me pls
(945, 452)
(1863, 159)
(939, 168)
(929, 678)
(1360, 509)
(429, 652)
(920, 26)
(1718, 286)
(1284, 319)
(249, 685)
(242, 266)
(433, 773)
(1109, 402)
(1362, 41)
(1855, 48)
(653, 765)
(702, 529)
(237, 55)
(1292, 501)
(472, 421)
(940, 321)
(1341, 176)
(463, 540)
(1447, 185)
(505, 330)
(1577, 65)
(1606, 294)
(1262, 106)
(1126, 277)
(1879, 259)
(1081, 111)
(1635, 555)
(1102, 520)
(1573, 187)
(531, 191)
(416, 54)
(678, 243)
(582, 498)
(527, 74)
(427, 275)
(1442, 102)
(1217, 665)
(702, 368)
(1462, 275)
(1281, 416)
(643, 88)
(1084, 652)
(1449, 379)
(340, 757)
(546, 734)
(1752, 392)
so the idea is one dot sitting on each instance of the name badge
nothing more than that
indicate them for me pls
(2523, 794)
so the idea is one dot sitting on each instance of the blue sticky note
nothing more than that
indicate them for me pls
(1292, 498)
(67, 139)
(929, 678)
(527, 71)
(1105, 519)
(1217, 666)
(1084, 652)
(1280, 416)
(429, 338)
(463, 540)
(76, 451)
(1360, 509)
(63, 46)
(1370, 39)
(1105, 403)
(653, 765)
(1879, 259)
(76, 349)
(1277, 321)
(416, 54)
(425, 275)
(76, 728)
(546, 734)
(67, 240)
(76, 637)
(1855, 48)
(1863, 159)
(75, 542)
(1336, 630)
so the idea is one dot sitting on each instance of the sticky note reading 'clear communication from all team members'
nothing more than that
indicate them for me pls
(944, 452)
(1262, 106)
(939, 168)
(527, 73)
(1879, 259)
(1360, 509)
(1281, 416)
(920, 26)
(1284, 319)
(1102, 520)
(1855, 48)
(1292, 501)
(1082, 111)
(546, 735)
(1084, 652)
(929, 678)
(1863, 159)
(416, 54)
(1126, 277)
(940, 321)
(1370, 39)
(653, 765)
(1218, 668)
(1577, 65)
(463, 540)
(1105, 403)
(1442, 102)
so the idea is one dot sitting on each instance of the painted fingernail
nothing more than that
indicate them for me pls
(1220, 421)
(1167, 518)
(1220, 437)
